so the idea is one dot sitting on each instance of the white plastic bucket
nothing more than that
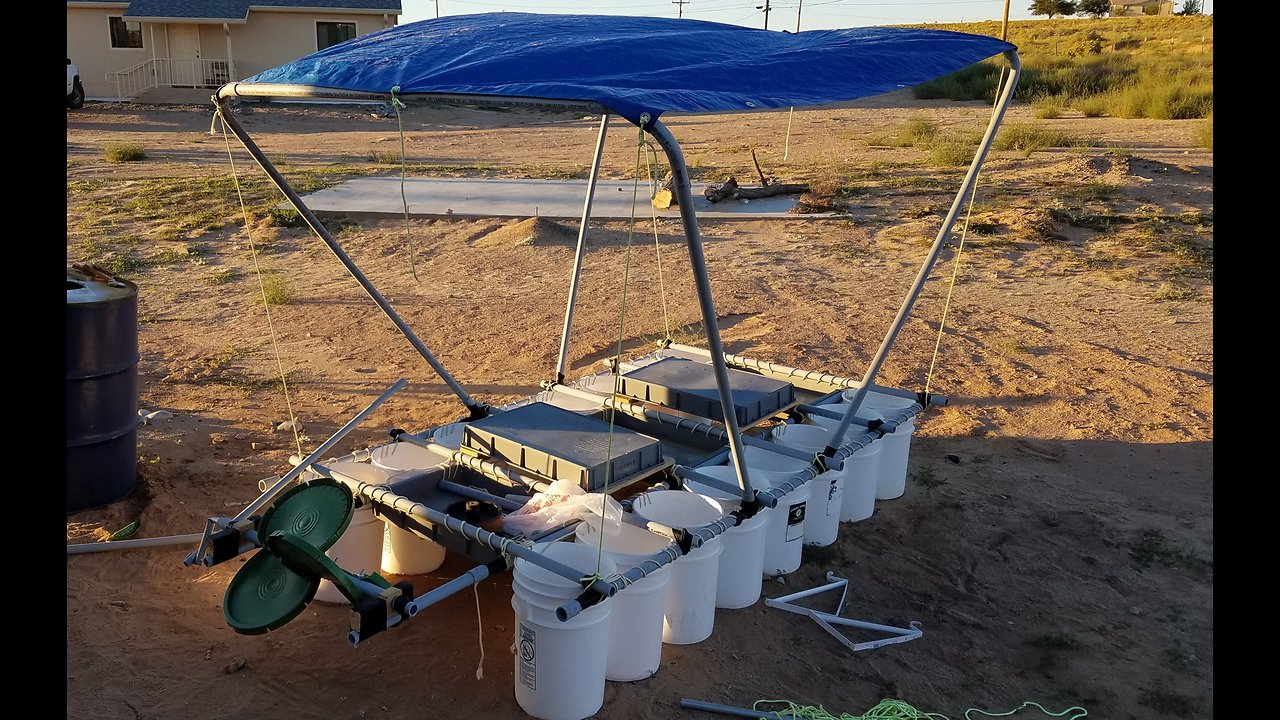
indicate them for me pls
(784, 528)
(400, 456)
(690, 612)
(861, 478)
(635, 623)
(742, 560)
(892, 482)
(826, 494)
(360, 547)
(559, 666)
(861, 471)
(404, 553)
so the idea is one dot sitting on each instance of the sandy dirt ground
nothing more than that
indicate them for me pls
(1055, 541)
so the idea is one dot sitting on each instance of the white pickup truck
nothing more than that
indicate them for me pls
(75, 91)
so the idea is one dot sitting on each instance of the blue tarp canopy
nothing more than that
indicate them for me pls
(635, 65)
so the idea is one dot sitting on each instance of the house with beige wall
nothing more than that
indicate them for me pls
(177, 50)
(1135, 8)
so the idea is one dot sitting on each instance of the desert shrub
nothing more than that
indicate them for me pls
(1204, 133)
(1030, 137)
(951, 153)
(1048, 107)
(276, 290)
(124, 152)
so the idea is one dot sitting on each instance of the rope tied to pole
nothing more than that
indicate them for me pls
(262, 286)
(653, 166)
(397, 105)
(617, 357)
(955, 266)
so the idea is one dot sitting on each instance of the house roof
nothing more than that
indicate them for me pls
(238, 10)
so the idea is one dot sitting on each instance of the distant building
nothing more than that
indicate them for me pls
(177, 50)
(1133, 8)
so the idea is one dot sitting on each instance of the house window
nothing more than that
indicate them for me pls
(332, 33)
(125, 33)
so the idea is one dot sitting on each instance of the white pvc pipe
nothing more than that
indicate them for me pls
(83, 548)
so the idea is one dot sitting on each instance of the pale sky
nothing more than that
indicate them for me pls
(813, 14)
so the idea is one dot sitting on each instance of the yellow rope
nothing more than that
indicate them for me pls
(480, 629)
(786, 148)
(262, 288)
(408, 233)
(955, 266)
(657, 244)
(617, 358)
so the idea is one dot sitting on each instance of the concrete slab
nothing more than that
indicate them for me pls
(468, 197)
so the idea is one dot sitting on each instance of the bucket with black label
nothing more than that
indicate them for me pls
(559, 666)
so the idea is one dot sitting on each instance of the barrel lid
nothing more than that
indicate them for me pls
(266, 594)
(85, 292)
(317, 511)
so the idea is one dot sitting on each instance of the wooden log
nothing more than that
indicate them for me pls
(731, 190)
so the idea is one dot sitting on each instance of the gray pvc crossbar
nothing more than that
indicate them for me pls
(382, 495)
(643, 412)
(771, 496)
(478, 494)
(812, 380)
(734, 711)
(602, 586)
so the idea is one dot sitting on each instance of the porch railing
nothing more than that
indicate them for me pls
(170, 72)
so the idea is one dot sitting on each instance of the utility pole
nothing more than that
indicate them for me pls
(438, 9)
(798, 9)
(765, 8)
(680, 4)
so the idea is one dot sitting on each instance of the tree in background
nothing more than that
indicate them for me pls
(1191, 7)
(1094, 8)
(1052, 7)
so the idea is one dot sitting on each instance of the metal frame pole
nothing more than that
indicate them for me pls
(698, 262)
(198, 555)
(477, 409)
(582, 248)
(938, 243)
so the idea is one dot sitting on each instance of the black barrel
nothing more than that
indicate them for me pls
(102, 391)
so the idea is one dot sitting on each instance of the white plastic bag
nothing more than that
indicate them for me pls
(561, 502)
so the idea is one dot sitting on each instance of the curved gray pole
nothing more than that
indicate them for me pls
(582, 248)
(943, 233)
(698, 262)
(477, 409)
